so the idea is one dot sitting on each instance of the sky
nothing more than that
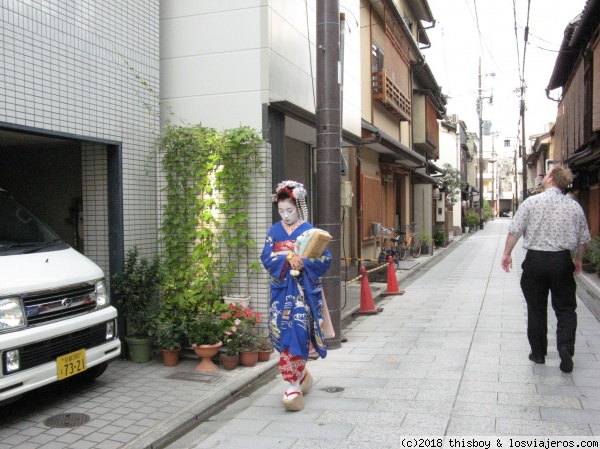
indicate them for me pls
(457, 47)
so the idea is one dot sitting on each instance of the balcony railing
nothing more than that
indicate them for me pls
(386, 93)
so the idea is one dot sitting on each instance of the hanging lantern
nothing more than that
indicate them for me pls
(436, 193)
(464, 204)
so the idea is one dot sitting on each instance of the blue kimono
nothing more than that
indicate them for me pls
(296, 309)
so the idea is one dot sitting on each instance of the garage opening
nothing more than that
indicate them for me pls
(72, 184)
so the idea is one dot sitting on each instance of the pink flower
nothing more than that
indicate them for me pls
(237, 322)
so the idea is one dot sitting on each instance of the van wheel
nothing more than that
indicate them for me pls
(93, 373)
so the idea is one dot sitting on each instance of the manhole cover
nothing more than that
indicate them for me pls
(194, 377)
(67, 420)
(332, 389)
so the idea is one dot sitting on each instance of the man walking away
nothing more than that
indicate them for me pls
(553, 226)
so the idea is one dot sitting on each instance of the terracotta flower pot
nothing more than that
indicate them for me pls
(264, 356)
(229, 362)
(248, 358)
(206, 352)
(171, 356)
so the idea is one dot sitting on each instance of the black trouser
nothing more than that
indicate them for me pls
(545, 271)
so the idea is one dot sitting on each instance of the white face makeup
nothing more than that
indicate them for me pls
(288, 211)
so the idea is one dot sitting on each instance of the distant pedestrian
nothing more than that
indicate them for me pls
(553, 226)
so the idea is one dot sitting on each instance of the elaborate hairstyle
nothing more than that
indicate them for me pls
(562, 176)
(295, 191)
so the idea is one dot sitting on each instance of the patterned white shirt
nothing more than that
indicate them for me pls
(550, 221)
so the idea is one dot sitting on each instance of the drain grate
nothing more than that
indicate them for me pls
(194, 377)
(332, 389)
(67, 420)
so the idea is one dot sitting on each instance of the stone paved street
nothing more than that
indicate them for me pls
(447, 358)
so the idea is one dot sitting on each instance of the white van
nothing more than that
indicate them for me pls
(56, 320)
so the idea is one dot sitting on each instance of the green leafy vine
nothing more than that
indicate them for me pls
(205, 218)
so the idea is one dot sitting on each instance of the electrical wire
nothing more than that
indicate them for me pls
(478, 28)
(526, 37)
(480, 35)
(517, 40)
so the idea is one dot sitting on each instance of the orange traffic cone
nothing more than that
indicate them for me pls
(367, 306)
(392, 282)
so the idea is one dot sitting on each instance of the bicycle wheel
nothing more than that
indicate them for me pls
(402, 251)
(396, 255)
(382, 256)
(415, 246)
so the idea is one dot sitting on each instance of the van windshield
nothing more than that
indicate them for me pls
(20, 230)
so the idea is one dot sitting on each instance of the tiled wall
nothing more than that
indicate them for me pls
(95, 200)
(90, 69)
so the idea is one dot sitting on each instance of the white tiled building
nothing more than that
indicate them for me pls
(78, 118)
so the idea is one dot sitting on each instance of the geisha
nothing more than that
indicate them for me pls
(296, 308)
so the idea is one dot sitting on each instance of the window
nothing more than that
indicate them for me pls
(377, 57)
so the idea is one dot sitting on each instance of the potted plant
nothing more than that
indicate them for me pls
(231, 349)
(440, 238)
(167, 334)
(249, 342)
(265, 347)
(425, 238)
(593, 251)
(137, 288)
(472, 219)
(204, 334)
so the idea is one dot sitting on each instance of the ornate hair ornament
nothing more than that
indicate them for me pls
(297, 192)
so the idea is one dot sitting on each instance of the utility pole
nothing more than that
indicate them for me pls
(524, 141)
(493, 162)
(329, 142)
(516, 204)
(480, 111)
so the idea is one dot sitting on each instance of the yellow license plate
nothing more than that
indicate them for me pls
(70, 364)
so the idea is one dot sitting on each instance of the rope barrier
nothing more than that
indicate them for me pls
(362, 260)
(359, 277)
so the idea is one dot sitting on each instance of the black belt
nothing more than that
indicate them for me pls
(563, 251)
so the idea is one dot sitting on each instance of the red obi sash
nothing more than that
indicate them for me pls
(284, 245)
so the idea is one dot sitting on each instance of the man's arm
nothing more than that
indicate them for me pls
(506, 263)
(578, 260)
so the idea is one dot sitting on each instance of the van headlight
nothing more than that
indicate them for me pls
(11, 313)
(102, 297)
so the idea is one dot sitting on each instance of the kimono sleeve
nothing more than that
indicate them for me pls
(273, 263)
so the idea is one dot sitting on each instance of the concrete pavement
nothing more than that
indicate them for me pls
(449, 357)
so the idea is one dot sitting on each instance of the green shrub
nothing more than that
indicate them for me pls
(439, 237)
(137, 289)
(472, 218)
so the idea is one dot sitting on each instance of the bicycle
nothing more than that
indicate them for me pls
(413, 245)
(394, 249)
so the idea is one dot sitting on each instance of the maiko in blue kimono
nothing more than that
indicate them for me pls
(296, 307)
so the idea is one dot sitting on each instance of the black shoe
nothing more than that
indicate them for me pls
(566, 360)
(540, 360)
